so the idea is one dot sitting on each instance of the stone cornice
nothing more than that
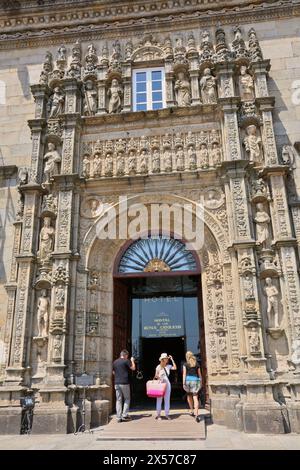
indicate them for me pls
(45, 26)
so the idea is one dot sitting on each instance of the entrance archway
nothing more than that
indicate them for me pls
(158, 308)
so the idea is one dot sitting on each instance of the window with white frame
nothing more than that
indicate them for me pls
(148, 89)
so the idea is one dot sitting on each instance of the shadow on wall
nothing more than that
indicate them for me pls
(23, 76)
(7, 217)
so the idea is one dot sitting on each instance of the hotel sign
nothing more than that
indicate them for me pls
(162, 319)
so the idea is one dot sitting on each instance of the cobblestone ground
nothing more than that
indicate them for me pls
(218, 437)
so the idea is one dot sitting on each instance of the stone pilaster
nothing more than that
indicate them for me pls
(35, 172)
(101, 86)
(260, 71)
(169, 76)
(127, 82)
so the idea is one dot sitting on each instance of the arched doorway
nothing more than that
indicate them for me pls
(158, 308)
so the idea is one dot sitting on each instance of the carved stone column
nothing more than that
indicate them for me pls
(230, 129)
(169, 74)
(226, 82)
(36, 126)
(101, 85)
(260, 71)
(127, 82)
(41, 95)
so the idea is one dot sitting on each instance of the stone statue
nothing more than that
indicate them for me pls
(183, 90)
(52, 159)
(97, 164)
(262, 220)
(43, 314)
(272, 296)
(248, 286)
(180, 159)
(90, 99)
(216, 154)
(46, 240)
(254, 341)
(22, 175)
(192, 158)
(208, 88)
(62, 53)
(287, 155)
(155, 161)
(120, 164)
(295, 356)
(143, 162)
(246, 85)
(57, 103)
(253, 144)
(86, 167)
(109, 165)
(94, 205)
(204, 157)
(131, 163)
(115, 97)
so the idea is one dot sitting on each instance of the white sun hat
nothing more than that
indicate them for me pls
(163, 356)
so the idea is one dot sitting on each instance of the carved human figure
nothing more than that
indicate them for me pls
(254, 341)
(168, 160)
(208, 87)
(90, 99)
(109, 165)
(155, 161)
(115, 97)
(252, 144)
(216, 154)
(43, 314)
(272, 297)
(192, 157)
(57, 346)
(287, 155)
(86, 167)
(180, 159)
(262, 220)
(248, 286)
(132, 162)
(120, 164)
(46, 240)
(143, 162)
(222, 345)
(183, 90)
(57, 103)
(204, 157)
(52, 159)
(62, 53)
(94, 206)
(246, 85)
(60, 296)
(97, 164)
(211, 200)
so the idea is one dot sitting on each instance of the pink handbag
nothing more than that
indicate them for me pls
(155, 388)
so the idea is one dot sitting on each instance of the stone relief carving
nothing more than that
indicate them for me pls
(57, 101)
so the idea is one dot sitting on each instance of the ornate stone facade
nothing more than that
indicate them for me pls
(213, 141)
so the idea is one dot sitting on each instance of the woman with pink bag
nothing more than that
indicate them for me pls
(162, 373)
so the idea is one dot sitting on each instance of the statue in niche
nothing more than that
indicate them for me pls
(109, 165)
(253, 144)
(60, 296)
(287, 155)
(262, 220)
(204, 157)
(180, 159)
(86, 167)
(115, 97)
(183, 90)
(254, 341)
(192, 157)
(246, 85)
(43, 314)
(90, 99)
(132, 163)
(57, 103)
(46, 240)
(57, 345)
(273, 308)
(143, 162)
(216, 154)
(155, 161)
(97, 164)
(208, 88)
(120, 164)
(168, 160)
(52, 159)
